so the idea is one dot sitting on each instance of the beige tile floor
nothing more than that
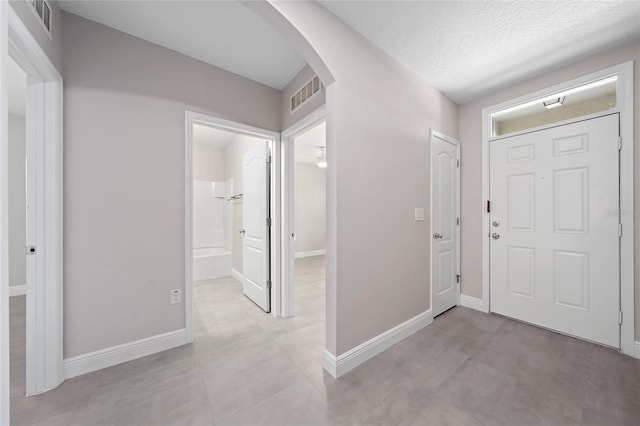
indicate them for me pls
(247, 368)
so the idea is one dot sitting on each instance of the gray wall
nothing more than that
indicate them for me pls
(124, 105)
(17, 201)
(471, 152)
(288, 118)
(52, 47)
(378, 119)
(310, 207)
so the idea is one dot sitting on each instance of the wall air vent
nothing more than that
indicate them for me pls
(310, 89)
(42, 9)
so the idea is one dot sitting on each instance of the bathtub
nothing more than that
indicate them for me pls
(211, 262)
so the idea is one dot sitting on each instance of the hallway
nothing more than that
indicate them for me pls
(247, 368)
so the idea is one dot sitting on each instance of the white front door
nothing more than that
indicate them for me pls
(444, 225)
(555, 254)
(255, 213)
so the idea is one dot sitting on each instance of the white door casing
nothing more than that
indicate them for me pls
(288, 202)
(255, 217)
(44, 316)
(445, 203)
(555, 257)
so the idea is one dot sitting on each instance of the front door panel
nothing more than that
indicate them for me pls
(554, 226)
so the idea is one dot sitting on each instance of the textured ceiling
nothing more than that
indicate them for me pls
(469, 48)
(464, 48)
(222, 33)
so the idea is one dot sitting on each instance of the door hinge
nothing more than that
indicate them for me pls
(457, 163)
(488, 206)
(458, 221)
(30, 250)
(268, 221)
(268, 159)
(620, 317)
(458, 278)
(620, 143)
(619, 230)
(269, 285)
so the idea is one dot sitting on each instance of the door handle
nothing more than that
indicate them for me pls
(495, 236)
(242, 231)
(437, 236)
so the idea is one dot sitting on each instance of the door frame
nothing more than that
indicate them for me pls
(624, 94)
(314, 118)
(192, 118)
(44, 314)
(432, 136)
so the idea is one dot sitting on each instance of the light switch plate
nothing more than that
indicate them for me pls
(419, 214)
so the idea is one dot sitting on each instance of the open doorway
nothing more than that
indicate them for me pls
(229, 226)
(309, 219)
(304, 216)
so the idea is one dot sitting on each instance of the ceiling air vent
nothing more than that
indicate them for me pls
(306, 92)
(42, 9)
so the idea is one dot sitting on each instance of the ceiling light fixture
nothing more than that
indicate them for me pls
(554, 103)
(322, 159)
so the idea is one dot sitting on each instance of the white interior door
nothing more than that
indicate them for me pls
(444, 225)
(255, 213)
(554, 222)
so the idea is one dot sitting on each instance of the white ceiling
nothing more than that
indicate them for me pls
(307, 145)
(464, 48)
(222, 33)
(17, 89)
(213, 138)
(469, 48)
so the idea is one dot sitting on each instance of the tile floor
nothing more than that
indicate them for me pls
(246, 368)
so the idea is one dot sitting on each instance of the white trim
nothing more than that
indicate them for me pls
(624, 94)
(337, 366)
(192, 118)
(627, 261)
(288, 218)
(637, 349)
(237, 275)
(436, 134)
(5, 388)
(311, 253)
(103, 358)
(17, 290)
(44, 342)
(473, 303)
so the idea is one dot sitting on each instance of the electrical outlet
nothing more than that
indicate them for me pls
(176, 296)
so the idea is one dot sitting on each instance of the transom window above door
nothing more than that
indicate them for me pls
(586, 99)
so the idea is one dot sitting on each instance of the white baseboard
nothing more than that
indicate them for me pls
(637, 349)
(301, 254)
(104, 358)
(17, 290)
(237, 275)
(473, 303)
(337, 366)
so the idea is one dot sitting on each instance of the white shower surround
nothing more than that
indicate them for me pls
(211, 229)
(211, 262)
